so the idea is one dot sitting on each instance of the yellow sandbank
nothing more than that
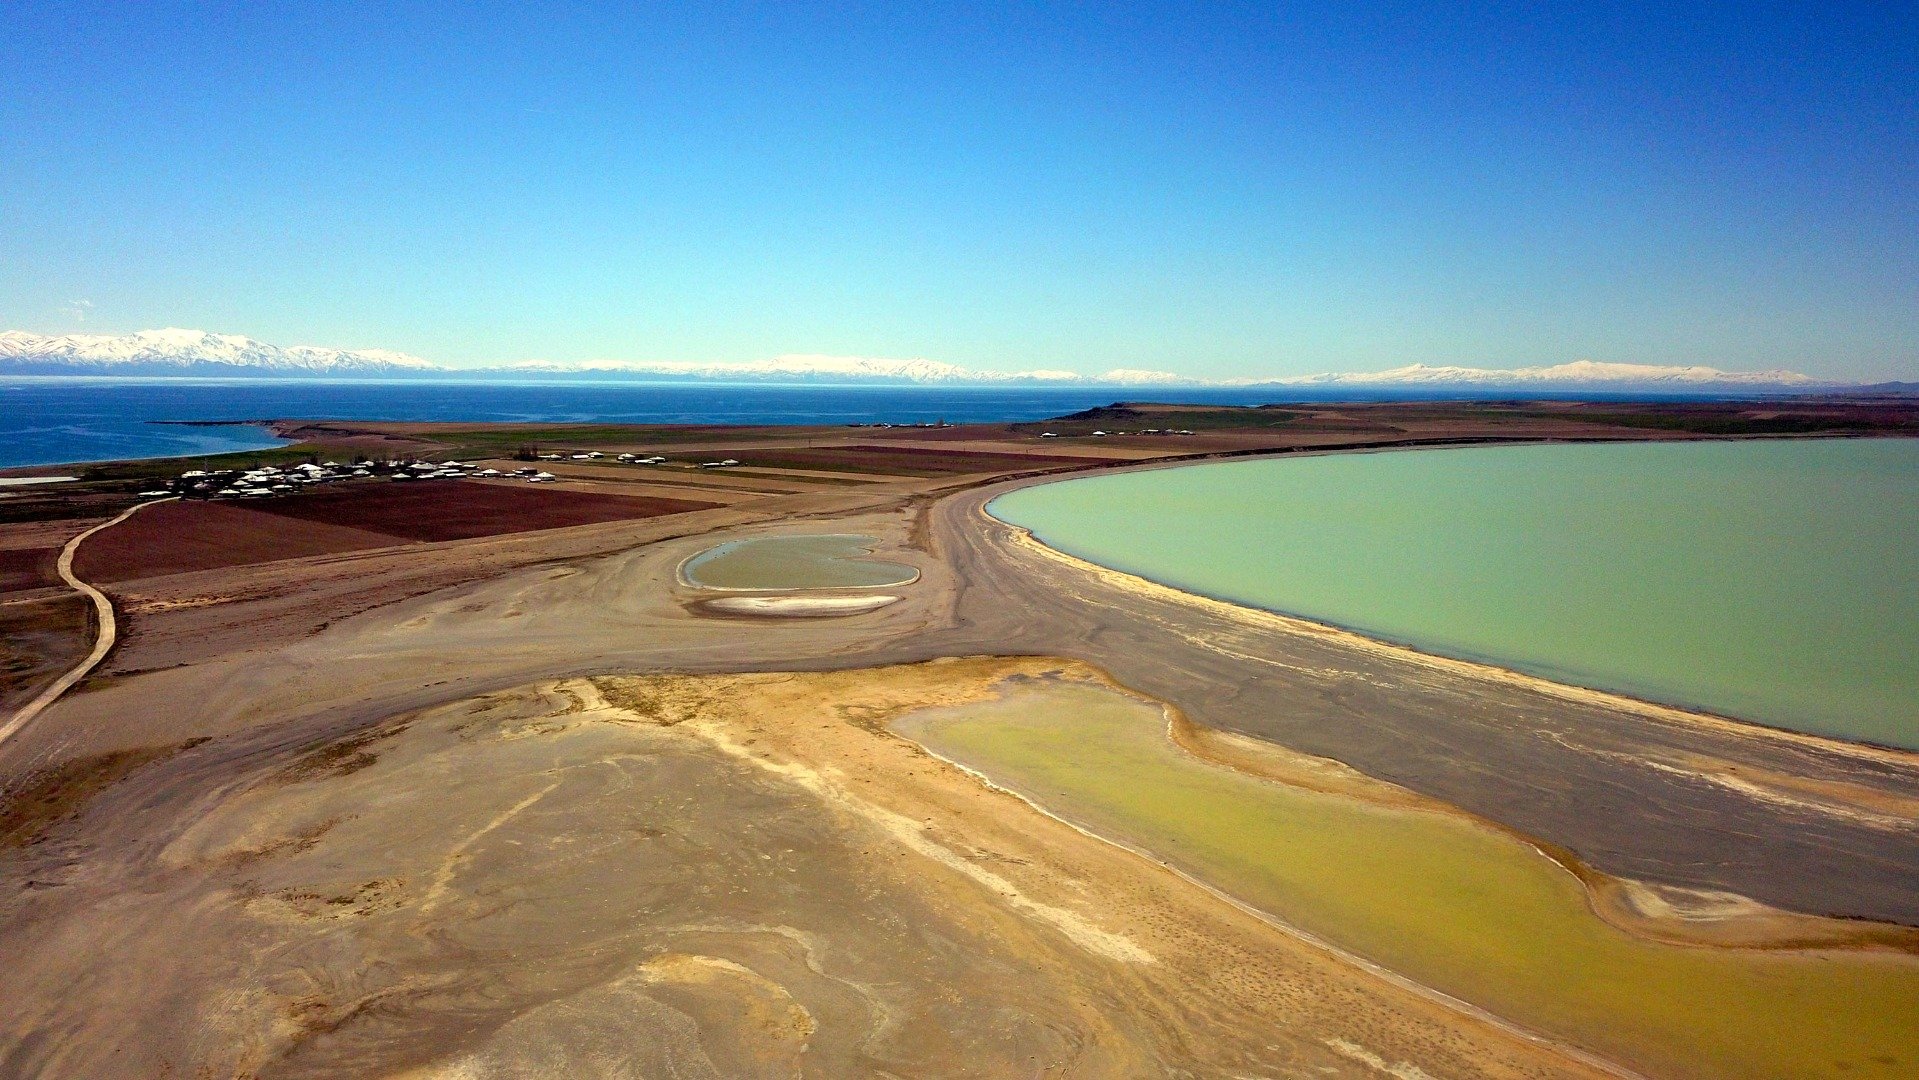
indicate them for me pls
(1455, 905)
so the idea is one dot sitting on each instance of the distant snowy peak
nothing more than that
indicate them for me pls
(196, 352)
(189, 352)
(799, 366)
(814, 367)
(1138, 377)
(1577, 373)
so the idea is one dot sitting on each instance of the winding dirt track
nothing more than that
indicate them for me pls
(106, 634)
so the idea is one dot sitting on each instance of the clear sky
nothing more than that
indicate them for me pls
(1217, 190)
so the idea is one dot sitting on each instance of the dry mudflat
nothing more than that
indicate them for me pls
(691, 876)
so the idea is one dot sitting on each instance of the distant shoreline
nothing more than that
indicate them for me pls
(213, 423)
(1273, 392)
(1657, 417)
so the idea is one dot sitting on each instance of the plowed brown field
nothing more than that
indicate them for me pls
(28, 568)
(457, 510)
(175, 538)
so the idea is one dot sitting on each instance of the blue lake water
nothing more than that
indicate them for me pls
(46, 421)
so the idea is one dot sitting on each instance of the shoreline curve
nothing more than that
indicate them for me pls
(1658, 710)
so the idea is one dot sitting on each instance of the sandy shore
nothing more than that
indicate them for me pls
(695, 876)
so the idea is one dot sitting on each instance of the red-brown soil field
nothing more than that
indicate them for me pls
(28, 568)
(460, 510)
(178, 537)
(38, 640)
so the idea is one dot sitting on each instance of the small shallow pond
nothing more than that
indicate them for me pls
(779, 563)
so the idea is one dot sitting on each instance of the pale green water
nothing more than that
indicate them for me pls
(831, 561)
(1776, 581)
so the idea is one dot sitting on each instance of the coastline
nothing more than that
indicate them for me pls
(1161, 816)
(1486, 668)
(287, 428)
(1740, 780)
(49, 468)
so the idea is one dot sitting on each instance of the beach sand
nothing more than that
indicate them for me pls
(671, 875)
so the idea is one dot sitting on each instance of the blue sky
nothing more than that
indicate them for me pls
(1216, 190)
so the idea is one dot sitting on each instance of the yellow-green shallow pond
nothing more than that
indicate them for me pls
(1452, 905)
(777, 563)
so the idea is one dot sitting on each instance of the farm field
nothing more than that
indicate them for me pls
(433, 510)
(181, 537)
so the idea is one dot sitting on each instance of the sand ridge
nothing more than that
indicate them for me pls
(730, 875)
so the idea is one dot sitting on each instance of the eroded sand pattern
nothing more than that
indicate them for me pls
(1453, 904)
(674, 876)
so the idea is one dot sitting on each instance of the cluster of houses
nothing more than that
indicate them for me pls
(268, 481)
(1141, 431)
(453, 470)
(595, 455)
(263, 482)
(440, 470)
(638, 459)
(935, 424)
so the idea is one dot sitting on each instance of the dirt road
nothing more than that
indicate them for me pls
(106, 634)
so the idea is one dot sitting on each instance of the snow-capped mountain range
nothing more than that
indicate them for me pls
(1577, 373)
(804, 366)
(175, 352)
(189, 352)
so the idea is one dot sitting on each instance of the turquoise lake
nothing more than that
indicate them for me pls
(1775, 581)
